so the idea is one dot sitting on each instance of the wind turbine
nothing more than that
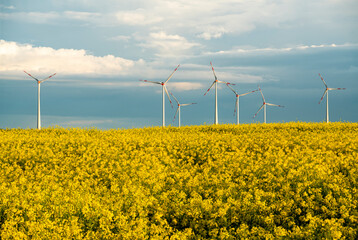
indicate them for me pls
(216, 81)
(237, 102)
(178, 108)
(326, 92)
(264, 105)
(38, 96)
(164, 89)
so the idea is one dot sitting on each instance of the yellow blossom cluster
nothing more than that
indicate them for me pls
(254, 181)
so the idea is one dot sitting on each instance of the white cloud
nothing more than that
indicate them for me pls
(177, 86)
(69, 63)
(192, 76)
(204, 74)
(11, 7)
(234, 77)
(34, 17)
(209, 19)
(54, 18)
(82, 16)
(209, 35)
(120, 38)
(138, 17)
(201, 18)
(107, 84)
(185, 86)
(18, 57)
(166, 44)
(268, 50)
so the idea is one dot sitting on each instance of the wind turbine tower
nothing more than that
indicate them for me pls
(216, 81)
(237, 104)
(38, 96)
(326, 92)
(164, 90)
(178, 108)
(264, 105)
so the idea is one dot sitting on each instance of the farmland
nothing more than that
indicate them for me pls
(255, 181)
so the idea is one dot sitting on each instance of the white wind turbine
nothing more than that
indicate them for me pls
(237, 105)
(326, 92)
(164, 89)
(216, 81)
(264, 105)
(38, 97)
(178, 108)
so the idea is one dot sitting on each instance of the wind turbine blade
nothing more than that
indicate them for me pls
(209, 88)
(151, 82)
(174, 97)
(323, 96)
(263, 98)
(247, 93)
(172, 74)
(31, 76)
(259, 110)
(48, 77)
(270, 104)
(166, 91)
(176, 113)
(187, 104)
(213, 71)
(323, 80)
(336, 89)
(228, 85)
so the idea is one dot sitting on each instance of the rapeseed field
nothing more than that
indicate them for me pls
(255, 181)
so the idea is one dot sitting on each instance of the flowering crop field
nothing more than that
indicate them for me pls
(256, 181)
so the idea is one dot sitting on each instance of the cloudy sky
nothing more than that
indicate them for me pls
(101, 49)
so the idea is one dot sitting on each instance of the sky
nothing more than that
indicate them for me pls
(100, 50)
